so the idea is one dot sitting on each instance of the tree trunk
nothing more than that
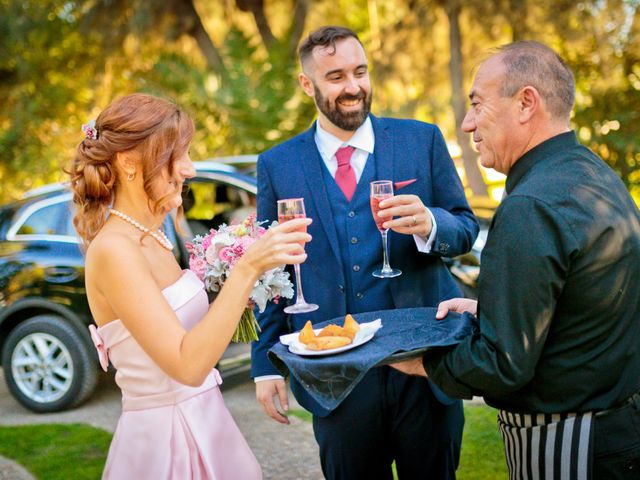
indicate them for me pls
(458, 102)
(297, 25)
(256, 7)
(190, 23)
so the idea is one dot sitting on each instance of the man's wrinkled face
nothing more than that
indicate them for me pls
(341, 86)
(492, 119)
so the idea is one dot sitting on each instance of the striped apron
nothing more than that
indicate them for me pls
(547, 447)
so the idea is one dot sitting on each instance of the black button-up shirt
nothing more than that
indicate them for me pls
(559, 291)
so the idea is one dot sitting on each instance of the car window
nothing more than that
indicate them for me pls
(6, 215)
(47, 220)
(67, 220)
(208, 204)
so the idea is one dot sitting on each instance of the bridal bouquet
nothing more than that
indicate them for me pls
(213, 256)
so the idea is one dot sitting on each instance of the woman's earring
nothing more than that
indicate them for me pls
(131, 176)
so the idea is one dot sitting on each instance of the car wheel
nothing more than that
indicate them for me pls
(47, 365)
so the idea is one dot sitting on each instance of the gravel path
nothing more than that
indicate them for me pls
(12, 471)
(284, 452)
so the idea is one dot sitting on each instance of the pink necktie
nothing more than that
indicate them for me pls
(345, 176)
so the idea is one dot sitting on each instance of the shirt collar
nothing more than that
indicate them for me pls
(362, 139)
(538, 153)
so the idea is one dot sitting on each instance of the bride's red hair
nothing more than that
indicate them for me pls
(155, 128)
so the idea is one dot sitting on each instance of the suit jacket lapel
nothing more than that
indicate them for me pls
(383, 150)
(385, 160)
(312, 168)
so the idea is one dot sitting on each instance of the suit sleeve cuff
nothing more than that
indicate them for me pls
(438, 373)
(424, 244)
(262, 378)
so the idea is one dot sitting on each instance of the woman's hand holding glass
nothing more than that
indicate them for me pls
(280, 245)
(290, 209)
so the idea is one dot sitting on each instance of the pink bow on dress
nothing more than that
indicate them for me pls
(216, 375)
(103, 355)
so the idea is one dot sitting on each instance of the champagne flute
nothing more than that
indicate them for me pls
(289, 209)
(381, 190)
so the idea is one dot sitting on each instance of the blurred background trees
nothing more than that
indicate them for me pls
(232, 65)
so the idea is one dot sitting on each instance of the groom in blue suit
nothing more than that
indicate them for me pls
(388, 416)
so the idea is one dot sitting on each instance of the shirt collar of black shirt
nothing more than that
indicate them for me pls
(537, 154)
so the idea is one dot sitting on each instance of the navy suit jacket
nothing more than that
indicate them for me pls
(404, 150)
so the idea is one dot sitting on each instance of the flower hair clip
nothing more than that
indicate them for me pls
(90, 130)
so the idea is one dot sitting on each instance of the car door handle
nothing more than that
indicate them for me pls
(60, 274)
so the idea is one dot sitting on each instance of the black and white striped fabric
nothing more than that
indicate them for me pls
(547, 447)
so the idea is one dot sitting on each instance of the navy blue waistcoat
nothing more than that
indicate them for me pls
(354, 224)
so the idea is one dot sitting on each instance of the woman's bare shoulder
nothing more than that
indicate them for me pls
(110, 255)
(112, 248)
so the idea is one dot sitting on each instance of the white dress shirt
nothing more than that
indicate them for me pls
(363, 140)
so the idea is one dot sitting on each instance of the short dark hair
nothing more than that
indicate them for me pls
(535, 64)
(324, 37)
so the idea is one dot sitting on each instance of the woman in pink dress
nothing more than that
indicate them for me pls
(153, 320)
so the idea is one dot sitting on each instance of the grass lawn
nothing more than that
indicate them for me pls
(482, 452)
(78, 451)
(57, 452)
(482, 455)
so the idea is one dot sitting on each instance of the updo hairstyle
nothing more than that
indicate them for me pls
(155, 128)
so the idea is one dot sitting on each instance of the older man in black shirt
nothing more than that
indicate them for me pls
(559, 291)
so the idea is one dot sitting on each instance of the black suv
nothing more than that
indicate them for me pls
(48, 358)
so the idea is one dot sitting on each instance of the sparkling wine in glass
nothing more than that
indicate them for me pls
(289, 209)
(381, 190)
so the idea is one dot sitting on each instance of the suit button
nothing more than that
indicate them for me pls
(341, 288)
(359, 295)
(352, 214)
(354, 239)
(356, 268)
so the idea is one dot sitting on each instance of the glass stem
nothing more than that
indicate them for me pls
(385, 263)
(299, 296)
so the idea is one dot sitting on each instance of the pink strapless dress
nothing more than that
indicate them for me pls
(169, 430)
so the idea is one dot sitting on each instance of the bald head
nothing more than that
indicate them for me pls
(534, 64)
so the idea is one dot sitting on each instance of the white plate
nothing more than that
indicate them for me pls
(366, 333)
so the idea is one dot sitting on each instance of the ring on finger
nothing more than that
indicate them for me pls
(414, 221)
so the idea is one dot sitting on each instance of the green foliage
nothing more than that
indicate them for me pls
(262, 100)
(258, 106)
(62, 61)
(41, 83)
(57, 452)
(607, 113)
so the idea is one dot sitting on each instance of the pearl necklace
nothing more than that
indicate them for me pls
(158, 234)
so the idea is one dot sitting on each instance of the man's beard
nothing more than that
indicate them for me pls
(349, 121)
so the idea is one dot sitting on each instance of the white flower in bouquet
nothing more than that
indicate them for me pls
(272, 284)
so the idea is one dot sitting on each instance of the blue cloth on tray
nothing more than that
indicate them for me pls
(330, 378)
